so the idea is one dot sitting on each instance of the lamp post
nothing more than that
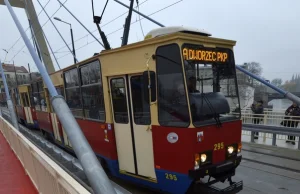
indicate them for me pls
(5, 54)
(58, 19)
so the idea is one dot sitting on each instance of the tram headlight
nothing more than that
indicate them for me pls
(233, 150)
(203, 158)
(230, 149)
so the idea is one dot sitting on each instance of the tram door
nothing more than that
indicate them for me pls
(132, 122)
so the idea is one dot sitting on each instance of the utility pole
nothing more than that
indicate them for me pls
(15, 73)
(29, 73)
(73, 46)
(57, 30)
(127, 25)
(8, 100)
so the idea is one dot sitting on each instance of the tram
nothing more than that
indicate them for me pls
(158, 113)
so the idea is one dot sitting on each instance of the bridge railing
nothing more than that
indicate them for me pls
(47, 176)
(273, 125)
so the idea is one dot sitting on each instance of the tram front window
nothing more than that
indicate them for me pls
(211, 83)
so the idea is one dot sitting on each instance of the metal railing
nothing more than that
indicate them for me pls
(273, 125)
(45, 174)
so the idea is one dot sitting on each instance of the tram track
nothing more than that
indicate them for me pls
(272, 165)
(273, 155)
(280, 161)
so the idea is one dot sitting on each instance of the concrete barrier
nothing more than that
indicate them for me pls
(46, 175)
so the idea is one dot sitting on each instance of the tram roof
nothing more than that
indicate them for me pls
(171, 34)
(173, 29)
(185, 36)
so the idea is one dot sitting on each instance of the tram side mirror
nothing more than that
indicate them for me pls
(146, 85)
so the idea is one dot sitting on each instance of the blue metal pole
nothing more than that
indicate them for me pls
(4, 82)
(261, 80)
(8, 100)
(93, 170)
(286, 94)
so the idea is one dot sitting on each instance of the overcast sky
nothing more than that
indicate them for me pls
(266, 31)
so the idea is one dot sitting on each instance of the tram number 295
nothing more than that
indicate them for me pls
(172, 177)
(219, 146)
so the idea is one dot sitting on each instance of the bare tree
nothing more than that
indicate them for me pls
(277, 82)
(255, 68)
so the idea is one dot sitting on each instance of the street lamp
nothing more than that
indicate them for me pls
(58, 19)
(5, 55)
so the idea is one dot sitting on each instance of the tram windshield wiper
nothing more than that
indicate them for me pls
(204, 97)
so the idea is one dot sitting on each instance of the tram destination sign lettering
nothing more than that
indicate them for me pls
(205, 55)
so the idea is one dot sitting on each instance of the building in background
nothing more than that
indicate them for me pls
(15, 75)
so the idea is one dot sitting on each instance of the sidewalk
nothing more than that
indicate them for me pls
(13, 179)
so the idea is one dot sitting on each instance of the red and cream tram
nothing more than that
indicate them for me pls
(158, 112)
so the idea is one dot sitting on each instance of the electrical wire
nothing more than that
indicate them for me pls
(123, 27)
(38, 30)
(140, 18)
(29, 26)
(97, 29)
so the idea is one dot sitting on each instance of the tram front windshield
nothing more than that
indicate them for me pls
(211, 84)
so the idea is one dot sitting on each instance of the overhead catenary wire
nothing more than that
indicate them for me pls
(58, 30)
(28, 27)
(38, 30)
(138, 7)
(97, 29)
(51, 50)
(123, 27)
(80, 24)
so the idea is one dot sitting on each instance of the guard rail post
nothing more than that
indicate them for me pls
(274, 139)
(252, 132)
(252, 137)
(265, 123)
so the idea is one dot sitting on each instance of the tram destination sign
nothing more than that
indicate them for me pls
(205, 55)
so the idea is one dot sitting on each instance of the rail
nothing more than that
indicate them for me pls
(46, 175)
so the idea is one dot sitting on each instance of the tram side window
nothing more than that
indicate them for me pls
(92, 91)
(42, 98)
(25, 99)
(119, 100)
(60, 91)
(35, 96)
(73, 92)
(17, 97)
(172, 101)
(141, 108)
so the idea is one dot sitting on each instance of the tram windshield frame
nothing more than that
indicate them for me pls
(211, 83)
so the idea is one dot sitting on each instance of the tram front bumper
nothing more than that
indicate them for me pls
(232, 189)
(216, 170)
(220, 173)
